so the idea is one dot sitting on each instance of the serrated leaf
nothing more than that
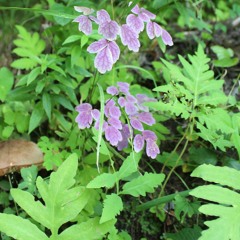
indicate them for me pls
(19, 228)
(112, 206)
(226, 226)
(222, 175)
(24, 63)
(107, 180)
(143, 184)
(89, 230)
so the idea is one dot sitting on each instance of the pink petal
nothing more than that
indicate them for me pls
(147, 118)
(131, 99)
(95, 114)
(103, 61)
(136, 9)
(114, 112)
(135, 23)
(113, 135)
(122, 101)
(138, 143)
(123, 87)
(97, 46)
(129, 38)
(130, 108)
(150, 30)
(125, 135)
(145, 15)
(136, 124)
(166, 37)
(84, 10)
(103, 16)
(114, 49)
(109, 30)
(84, 107)
(115, 122)
(84, 120)
(152, 149)
(112, 90)
(85, 24)
(94, 19)
(149, 135)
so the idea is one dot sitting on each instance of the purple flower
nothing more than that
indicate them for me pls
(139, 118)
(84, 10)
(129, 104)
(112, 90)
(138, 143)
(166, 37)
(113, 135)
(111, 110)
(135, 23)
(108, 28)
(153, 30)
(108, 53)
(152, 149)
(123, 87)
(126, 133)
(85, 116)
(150, 137)
(143, 14)
(85, 21)
(129, 38)
(85, 24)
(141, 99)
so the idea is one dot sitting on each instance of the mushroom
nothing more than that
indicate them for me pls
(17, 154)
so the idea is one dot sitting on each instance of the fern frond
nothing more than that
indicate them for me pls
(226, 204)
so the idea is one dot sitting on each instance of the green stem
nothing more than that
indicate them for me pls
(171, 171)
(160, 201)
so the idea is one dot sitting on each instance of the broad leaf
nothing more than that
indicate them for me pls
(143, 184)
(104, 180)
(90, 230)
(19, 228)
(227, 207)
(112, 206)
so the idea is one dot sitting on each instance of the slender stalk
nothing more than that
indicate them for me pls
(171, 171)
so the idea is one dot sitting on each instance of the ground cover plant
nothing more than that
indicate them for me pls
(135, 107)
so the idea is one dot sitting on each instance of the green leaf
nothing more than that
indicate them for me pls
(143, 184)
(89, 230)
(19, 228)
(24, 63)
(72, 38)
(6, 82)
(112, 206)
(33, 75)
(47, 105)
(222, 175)
(227, 207)
(129, 165)
(107, 180)
(36, 117)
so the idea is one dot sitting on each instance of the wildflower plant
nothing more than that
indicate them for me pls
(124, 115)
(107, 49)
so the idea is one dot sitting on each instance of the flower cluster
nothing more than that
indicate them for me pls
(116, 130)
(107, 50)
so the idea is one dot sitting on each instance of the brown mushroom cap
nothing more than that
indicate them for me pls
(16, 154)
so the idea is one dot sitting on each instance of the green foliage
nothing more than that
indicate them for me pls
(225, 204)
(63, 203)
(29, 47)
(195, 95)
